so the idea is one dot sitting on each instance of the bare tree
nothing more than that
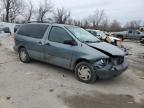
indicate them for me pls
(12, 9)
(105, 24)
(70, 21)
(0, 7)
(7, 6)
(62, 16)
(86, 24)
(115, 26)
(43, 10)
(78, 23)
(30, 11)
(75, 22)
(97, 18)
(17, 9)
(133, 24)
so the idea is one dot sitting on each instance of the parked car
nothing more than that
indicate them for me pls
(72, 48)
(102, 36)
(16, 27)
(6, 30)
(130, 34)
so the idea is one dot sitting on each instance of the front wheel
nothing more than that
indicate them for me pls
(85, 72)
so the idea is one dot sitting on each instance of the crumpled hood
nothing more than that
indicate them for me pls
(107, 48)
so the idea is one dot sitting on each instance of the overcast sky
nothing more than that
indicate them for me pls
(122, 10)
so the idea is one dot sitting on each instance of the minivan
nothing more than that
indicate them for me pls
(70, 47)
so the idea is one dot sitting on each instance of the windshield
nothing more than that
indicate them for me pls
(82, 34)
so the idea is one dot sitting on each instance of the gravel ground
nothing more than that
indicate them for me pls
(40, 85)
(136, 54)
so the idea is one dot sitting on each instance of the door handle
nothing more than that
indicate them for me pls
(48, 44)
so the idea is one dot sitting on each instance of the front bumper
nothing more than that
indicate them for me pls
(111, 71)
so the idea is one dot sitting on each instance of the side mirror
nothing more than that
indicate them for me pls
(6, 30)
(70, 42)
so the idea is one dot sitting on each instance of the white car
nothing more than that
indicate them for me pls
(101, 35)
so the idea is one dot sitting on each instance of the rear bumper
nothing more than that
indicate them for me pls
(111, 71)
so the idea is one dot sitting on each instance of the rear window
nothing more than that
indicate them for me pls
(33, 30)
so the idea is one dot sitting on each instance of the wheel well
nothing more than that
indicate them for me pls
(20, 48)
(80, 60)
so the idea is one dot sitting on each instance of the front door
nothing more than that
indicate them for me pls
(56, 52)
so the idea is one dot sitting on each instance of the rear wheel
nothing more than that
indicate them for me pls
(85, 73)
(23, 55)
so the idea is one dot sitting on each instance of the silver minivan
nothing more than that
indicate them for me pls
(70, 47)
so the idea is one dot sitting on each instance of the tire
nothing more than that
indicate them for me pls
(23, 55)
(89, 76)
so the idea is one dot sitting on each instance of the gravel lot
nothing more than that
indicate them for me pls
(40, 85)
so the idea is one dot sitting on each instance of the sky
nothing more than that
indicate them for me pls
(121, 10)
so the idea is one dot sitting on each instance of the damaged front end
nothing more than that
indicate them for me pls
(109, 68)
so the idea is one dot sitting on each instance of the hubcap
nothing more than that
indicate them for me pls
(84, 73)
(23, 55)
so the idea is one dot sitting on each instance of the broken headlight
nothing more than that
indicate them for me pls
(101, 62)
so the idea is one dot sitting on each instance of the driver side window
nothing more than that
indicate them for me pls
(58, 34)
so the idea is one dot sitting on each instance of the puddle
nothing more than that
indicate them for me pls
(101, 101)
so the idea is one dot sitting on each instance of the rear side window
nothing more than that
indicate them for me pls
(33, 30)
(59, 35)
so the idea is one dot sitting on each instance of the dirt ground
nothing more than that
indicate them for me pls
(41, 85)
